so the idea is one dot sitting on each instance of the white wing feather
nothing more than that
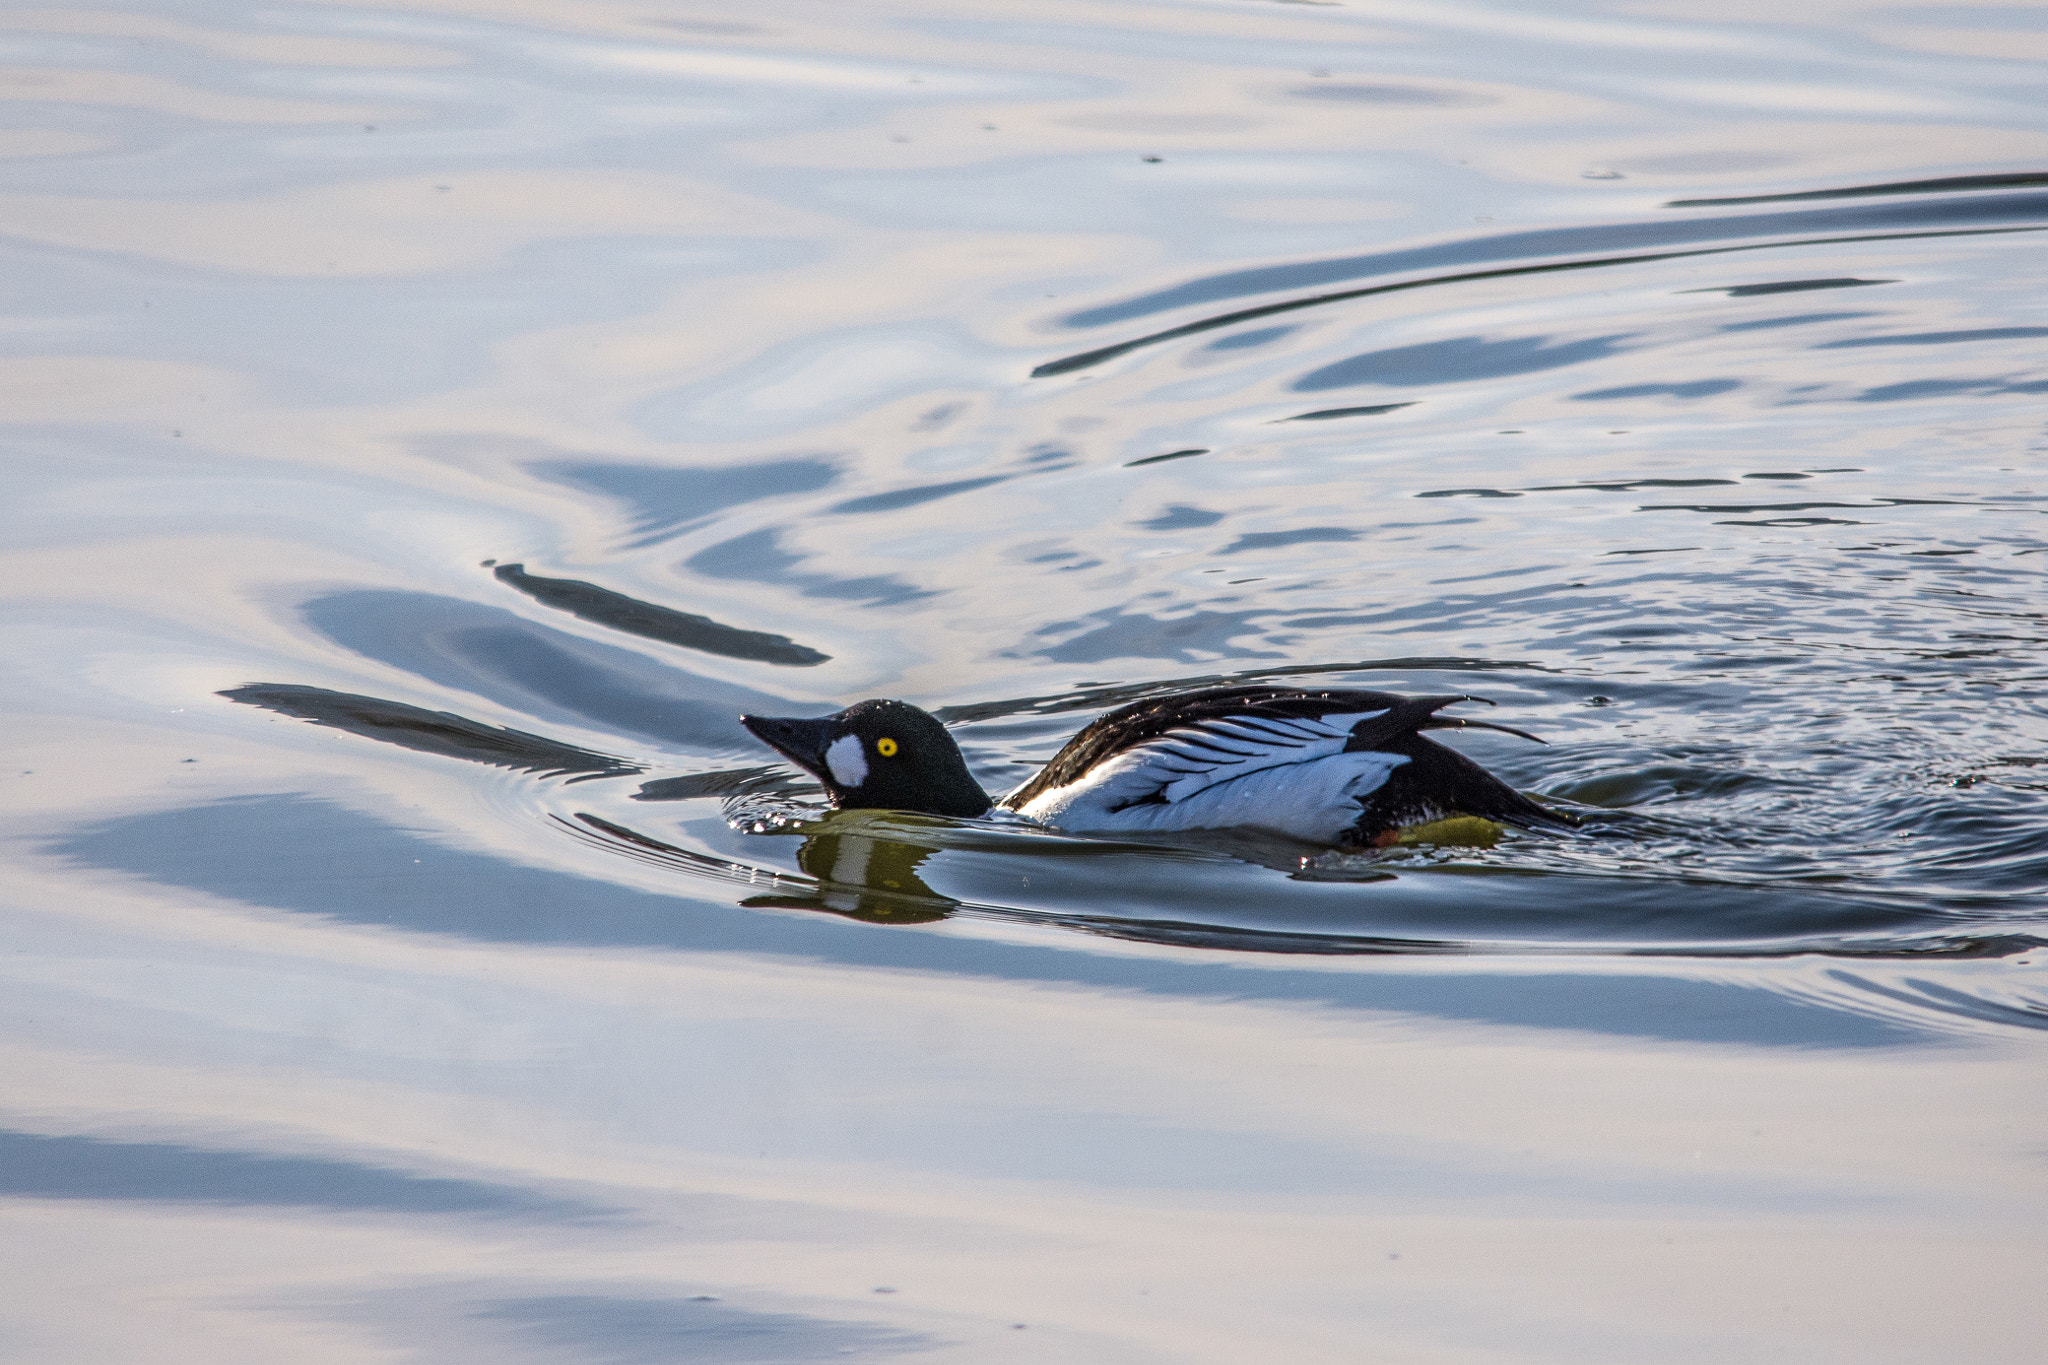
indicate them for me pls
(1286, 774)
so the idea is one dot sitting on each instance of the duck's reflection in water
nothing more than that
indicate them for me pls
(864, 876)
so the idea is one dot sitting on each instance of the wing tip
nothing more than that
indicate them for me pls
(1458, 723)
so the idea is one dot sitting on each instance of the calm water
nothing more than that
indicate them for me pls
(429, 426)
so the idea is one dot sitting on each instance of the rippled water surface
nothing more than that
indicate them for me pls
(429, 426)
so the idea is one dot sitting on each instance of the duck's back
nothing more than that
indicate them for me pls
(1335, 766)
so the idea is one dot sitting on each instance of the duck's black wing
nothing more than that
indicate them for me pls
(1437, 783)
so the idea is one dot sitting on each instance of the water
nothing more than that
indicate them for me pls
(430, 427)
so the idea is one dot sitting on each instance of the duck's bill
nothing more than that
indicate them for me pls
(802, 742)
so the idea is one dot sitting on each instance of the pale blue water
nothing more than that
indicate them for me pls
(429, 428)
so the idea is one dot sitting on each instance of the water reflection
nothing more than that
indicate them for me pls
(617, 1330)
(309, 857)
(758, 557)
(666, 502)
(1438, 362)
(44, 1166)
(864, 876)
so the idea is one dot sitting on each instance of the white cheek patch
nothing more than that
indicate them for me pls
(845, 761)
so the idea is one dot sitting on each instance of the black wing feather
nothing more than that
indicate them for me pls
(1436, 783)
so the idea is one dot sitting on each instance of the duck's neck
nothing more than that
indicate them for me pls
(964, 801)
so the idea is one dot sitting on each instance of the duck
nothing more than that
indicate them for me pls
(1338, 767)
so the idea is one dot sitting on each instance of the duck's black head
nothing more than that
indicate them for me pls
(878, 755)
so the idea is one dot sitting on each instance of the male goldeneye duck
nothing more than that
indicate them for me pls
(1335, 767)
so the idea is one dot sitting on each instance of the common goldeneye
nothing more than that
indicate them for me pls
(1336, 767)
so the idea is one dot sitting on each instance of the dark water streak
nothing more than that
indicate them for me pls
(1781, 231)
(1936, 216)
(431, 732)
(654, 622)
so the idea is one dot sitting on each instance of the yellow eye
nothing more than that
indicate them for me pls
(886, 748)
